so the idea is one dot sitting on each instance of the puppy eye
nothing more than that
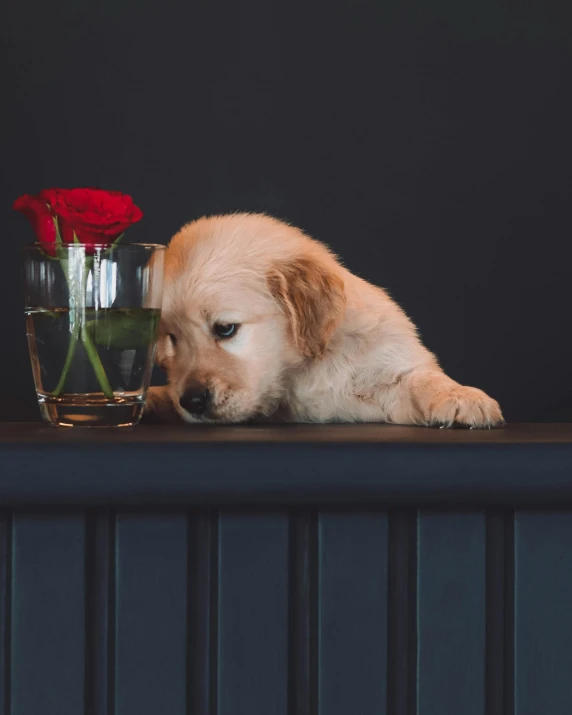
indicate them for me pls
(172, 338)
(224, 331)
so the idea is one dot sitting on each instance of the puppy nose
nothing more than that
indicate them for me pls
(196, 398)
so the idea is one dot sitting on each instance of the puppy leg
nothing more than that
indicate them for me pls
(433, 399)
(159, 406)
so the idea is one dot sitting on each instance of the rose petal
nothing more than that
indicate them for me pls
(66, 231)
(38, 213)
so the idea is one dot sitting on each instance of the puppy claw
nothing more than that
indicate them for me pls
(466, 407)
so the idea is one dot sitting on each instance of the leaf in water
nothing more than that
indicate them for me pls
(124, 329)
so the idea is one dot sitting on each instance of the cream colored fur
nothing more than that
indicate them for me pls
(316, 343)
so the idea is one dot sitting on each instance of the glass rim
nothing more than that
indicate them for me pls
(105, 246)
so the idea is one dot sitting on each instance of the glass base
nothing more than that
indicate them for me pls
(91, 410)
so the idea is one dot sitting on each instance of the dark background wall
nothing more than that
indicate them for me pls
(429, 143)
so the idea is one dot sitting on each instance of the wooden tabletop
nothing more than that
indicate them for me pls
(517, 433)
(527, 464)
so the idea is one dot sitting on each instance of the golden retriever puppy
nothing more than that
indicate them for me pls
(261, 321)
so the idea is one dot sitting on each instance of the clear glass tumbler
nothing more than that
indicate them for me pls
(92, 316)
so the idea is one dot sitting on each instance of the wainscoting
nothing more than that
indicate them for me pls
(361, 570)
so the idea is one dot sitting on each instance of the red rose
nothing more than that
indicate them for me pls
(95, 216)
(41, 218)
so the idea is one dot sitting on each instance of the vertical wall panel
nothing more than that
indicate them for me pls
(302, 622)
(100, 602)
(451, 614)
(48, 615)
(543, 612)
(5, 608)
(402, 613)
(352, 614)
(253, 615)
(151, 615)
(202, 589)
(500, 613)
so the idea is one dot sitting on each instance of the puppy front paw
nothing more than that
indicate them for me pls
(158, 407)
(466, 406)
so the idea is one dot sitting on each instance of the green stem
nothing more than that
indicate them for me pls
(69, 358)
(98, 368)
(77, 324)
(77, 303)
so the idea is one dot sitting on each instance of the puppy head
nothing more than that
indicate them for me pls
(247, 299)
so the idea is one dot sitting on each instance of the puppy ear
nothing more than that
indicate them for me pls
(312, 296)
